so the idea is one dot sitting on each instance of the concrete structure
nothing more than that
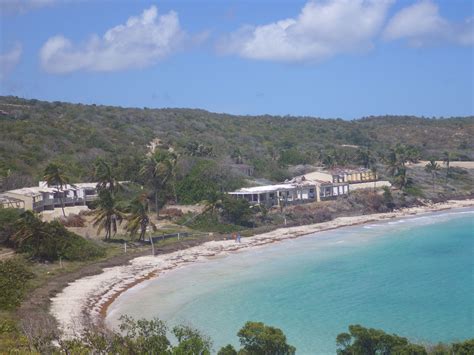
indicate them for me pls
(352, 175)
(10, 202)
(338, 175)
(44, 197)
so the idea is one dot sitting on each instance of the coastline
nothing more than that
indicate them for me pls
(88, 298)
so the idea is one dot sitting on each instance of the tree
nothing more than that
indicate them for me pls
(432, 167)
(107, 215)
(236, 211)
(362, 340)
(54, 175)
(396, 159)
(139, 219)
(105, 177)
(258, 338)
(374, 171)
(144, 336)
(366, 158)
(157, 170)
(227, 350)
(214, 201)
(190, 341)
(447, 158)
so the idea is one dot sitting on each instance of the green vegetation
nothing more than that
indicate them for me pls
(35, 133)
(49, 241)
(14, 276)
(151, 337)
(362, 340)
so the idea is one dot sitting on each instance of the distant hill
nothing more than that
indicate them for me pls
(33, 133)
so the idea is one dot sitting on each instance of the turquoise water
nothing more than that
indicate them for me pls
(413, 277)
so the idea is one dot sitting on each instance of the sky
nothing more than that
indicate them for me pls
(323, 58)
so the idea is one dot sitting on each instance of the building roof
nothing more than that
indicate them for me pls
(270, 188)
(38, 190)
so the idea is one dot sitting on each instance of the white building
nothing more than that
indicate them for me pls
(44, 197)
(295, 191)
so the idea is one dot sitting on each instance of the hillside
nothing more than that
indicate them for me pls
(33, 133)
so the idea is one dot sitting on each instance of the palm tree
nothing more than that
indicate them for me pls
(105, 177)
(396, 159)
(54, 175)
(374, 170)
(157, 170)
(139, 219)
(447, 157)
(366, 157)
(329, 160)
(432, 167)
(213, 202)
(107, 215)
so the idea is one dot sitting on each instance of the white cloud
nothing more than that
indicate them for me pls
(422, 24)
(9, 60)
(321, 30)
(22, 6)
(140, 42)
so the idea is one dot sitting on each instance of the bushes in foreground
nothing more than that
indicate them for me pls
(255, 338)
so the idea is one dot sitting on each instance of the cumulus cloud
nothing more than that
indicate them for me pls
(9, 60)
(141, 41)
(422, 24)
(321, 30)
(22, 6)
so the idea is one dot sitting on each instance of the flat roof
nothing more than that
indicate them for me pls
(269, 188)
(38, 190)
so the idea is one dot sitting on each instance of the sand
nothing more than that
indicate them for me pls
(87, 299)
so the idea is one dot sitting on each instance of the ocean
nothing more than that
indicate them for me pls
(412, 276)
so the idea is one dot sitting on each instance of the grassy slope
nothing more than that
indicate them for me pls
(32, 133)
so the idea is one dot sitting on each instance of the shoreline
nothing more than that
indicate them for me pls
(88, 298)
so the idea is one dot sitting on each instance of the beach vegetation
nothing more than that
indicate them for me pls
(14, 278)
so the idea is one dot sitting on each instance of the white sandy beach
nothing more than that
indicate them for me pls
(88, 297)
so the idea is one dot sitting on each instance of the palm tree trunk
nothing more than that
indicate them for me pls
(447, 171)
(62, 204)
(156, 203)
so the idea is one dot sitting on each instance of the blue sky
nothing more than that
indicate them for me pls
(325, 58)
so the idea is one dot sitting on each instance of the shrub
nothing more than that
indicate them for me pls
(236, 211)
(14, 276)
(8, 217)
